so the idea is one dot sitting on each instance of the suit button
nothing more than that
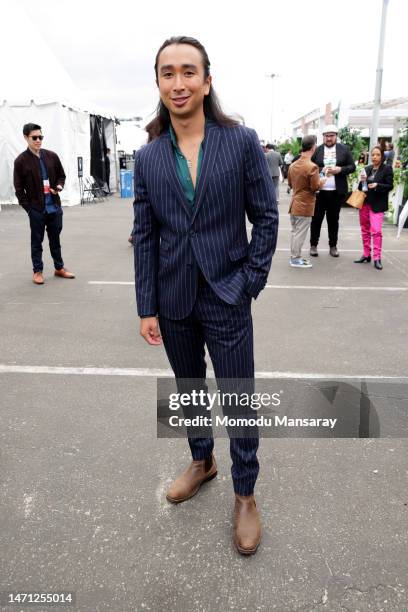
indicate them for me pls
(192, 233)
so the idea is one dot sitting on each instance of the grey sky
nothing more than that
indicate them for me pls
(323, 50)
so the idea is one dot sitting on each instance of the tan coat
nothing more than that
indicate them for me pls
(303, 178)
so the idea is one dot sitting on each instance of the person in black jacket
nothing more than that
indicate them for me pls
(336, 161)
(377, 181)
(107, 168)
(38, 180)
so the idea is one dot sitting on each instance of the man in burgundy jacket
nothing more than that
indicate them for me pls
(38, 179)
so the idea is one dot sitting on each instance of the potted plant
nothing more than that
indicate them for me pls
(354, 141)
(401, 175)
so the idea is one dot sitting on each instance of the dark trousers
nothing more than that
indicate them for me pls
(327, 203)
(40, 221)
(227, 332)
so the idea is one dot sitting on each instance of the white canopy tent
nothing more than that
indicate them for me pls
(50, 99)
(130, 136)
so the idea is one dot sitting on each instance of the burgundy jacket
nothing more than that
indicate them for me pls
(28, 182)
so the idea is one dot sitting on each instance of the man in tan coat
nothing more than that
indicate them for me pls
(304, 179)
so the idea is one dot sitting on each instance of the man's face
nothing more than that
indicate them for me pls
(180, 76)
(33, 140)
(330, 139)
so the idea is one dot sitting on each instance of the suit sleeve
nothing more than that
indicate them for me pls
(387, 181)
(19, 185)
(262, 212)
(314, 179)
(146, 239)
(349, 166)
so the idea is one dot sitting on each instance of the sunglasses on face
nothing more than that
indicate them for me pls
(37, 137)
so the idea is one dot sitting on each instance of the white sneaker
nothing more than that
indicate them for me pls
(300, 262)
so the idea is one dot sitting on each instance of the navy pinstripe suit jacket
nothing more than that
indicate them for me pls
(171, 237)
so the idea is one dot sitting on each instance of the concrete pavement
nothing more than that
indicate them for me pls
(83, 475)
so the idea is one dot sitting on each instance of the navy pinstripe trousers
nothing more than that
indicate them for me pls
(227, 332)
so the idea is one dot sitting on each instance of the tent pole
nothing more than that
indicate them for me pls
(115, 157)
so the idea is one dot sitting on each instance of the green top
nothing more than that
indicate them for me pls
(182, 168)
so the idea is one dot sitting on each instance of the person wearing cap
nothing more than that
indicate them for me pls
(336, 162)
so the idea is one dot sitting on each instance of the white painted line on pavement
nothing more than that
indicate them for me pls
(157, 372)
(87, 371)
(352, 228)
(110, 283)
(312, 287)
(335, 288)
(350, 250)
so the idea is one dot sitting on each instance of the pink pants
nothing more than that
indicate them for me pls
(371, 224)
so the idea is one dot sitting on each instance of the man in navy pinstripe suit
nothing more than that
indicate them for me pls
(195, 273)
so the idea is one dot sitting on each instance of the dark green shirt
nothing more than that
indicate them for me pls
(182, 168)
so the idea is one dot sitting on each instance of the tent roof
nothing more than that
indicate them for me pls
(21, 82)
(130, 136)
(393, 103)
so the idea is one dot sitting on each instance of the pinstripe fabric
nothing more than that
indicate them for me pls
(227, 331)
(169, 237)
(174, 242)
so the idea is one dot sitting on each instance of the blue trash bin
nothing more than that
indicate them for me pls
(126, 184)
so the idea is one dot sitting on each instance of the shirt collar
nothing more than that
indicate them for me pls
(173, 136)
(34, 155)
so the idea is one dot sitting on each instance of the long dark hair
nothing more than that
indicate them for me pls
(212, 106)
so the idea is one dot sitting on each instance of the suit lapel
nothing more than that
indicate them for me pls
(320, 156)
(211, 144)
(171, 172)
(339, 154)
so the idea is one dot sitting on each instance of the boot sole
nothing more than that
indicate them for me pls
(67, 277)
(247, 551)
(179, 500)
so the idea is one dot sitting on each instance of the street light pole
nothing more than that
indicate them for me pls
(378, 81)
(272, 76)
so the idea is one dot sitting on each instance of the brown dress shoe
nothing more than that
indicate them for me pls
(38, 278)
(247, 525)
(63, 273)
(188, 483)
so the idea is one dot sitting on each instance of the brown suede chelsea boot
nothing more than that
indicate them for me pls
(247, 525)
(188, 483)
(38, 278)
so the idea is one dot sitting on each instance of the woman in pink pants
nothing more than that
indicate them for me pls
(377, 181)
